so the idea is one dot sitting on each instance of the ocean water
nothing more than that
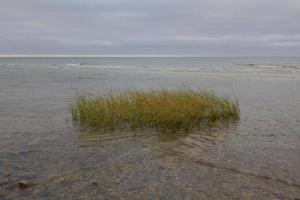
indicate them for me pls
(177, 64)
(257, 158)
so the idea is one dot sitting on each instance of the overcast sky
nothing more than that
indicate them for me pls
(151, 27)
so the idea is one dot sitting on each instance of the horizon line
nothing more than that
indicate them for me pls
(128, 56)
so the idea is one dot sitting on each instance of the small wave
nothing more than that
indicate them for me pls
(292, 66)
(8, 65)
(73, 64)
(274, 66)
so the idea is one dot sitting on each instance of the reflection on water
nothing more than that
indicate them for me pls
(257, 158)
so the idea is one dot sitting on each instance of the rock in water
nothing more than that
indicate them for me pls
(23, 184)
(95, 183)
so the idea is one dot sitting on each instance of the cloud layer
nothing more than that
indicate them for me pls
(177, 27)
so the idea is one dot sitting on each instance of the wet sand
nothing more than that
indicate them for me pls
(257, 158)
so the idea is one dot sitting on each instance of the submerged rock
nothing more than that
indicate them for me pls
(23, 184)
(94, 183)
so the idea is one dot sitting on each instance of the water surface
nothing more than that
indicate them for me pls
(257, 158)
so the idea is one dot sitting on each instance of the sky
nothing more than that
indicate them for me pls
(150, 27)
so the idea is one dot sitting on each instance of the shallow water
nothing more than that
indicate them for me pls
(257, 158)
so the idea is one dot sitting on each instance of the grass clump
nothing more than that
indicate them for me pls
(160, 109)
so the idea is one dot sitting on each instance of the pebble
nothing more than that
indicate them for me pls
(94, 183)
(23, 184)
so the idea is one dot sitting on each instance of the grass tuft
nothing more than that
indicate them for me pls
(160, 109)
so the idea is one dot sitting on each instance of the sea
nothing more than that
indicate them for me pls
(256, 158)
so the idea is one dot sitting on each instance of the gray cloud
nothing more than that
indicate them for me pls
(183, 27)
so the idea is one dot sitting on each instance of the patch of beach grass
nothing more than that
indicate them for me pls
(159, 109)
